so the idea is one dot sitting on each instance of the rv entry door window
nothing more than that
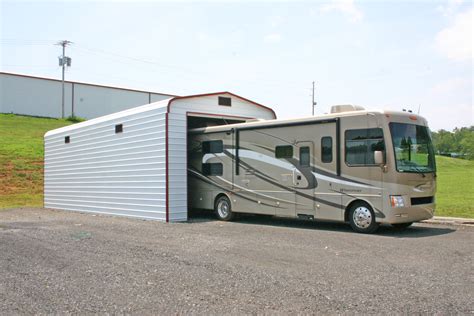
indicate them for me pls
(304, 156)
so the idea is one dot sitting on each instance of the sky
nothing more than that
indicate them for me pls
(379, 54)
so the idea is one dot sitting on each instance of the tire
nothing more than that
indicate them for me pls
(223, 209)
(401, 226)
(362, 218)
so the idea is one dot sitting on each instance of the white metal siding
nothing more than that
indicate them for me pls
(103, 172)
(177, 167)
(209, 104)
(30, 96)
(42, 97)
(93, 101)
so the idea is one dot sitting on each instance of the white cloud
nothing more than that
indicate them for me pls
(448, 103)
(452, 85)
(202, 37)
(455, 41)
(347, 7)
(450, 7)
(275, 21)
(272, 38)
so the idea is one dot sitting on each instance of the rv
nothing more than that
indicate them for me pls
(362, 167)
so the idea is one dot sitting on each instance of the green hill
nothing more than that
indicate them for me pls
(21, 168)
(21, 159)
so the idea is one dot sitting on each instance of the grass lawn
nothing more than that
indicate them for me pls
(21, 159)
(21, 168)
(455, 196)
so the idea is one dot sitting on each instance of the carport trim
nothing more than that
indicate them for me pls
(218, 93)
(167, 170)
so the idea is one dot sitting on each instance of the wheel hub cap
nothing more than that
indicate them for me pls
(362, 217)
(223, 208)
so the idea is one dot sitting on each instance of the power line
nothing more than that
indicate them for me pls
(25, 42)
(30, 66)
(185, 71)
(135, 61)
(148, 65)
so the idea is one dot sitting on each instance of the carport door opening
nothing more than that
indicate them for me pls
(194, 152)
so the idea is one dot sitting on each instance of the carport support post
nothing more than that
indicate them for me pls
(167, 171)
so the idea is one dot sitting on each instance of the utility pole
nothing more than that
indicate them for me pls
(313, 103)
(64, 61)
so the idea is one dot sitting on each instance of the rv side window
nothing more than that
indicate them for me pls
(361, 144)
(304, 157)
(212, 169)
(212, 147)
(284, 151)
(326, 149)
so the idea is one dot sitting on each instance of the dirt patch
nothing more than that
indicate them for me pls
(14, 180)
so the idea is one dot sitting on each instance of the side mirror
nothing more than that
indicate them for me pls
(378, 157)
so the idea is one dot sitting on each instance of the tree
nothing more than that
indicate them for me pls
(460, 140)
(467, 145)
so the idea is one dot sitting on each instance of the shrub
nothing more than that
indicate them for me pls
(75, 119)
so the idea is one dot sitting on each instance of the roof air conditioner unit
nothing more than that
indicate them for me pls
(346, 108)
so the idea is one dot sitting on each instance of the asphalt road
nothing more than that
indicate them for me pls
(66, 262)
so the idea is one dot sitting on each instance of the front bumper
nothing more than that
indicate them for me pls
(409, 214)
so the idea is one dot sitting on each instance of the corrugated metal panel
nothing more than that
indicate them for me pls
(209, 104)
(103, 172)
(177, 167)
(28, 95)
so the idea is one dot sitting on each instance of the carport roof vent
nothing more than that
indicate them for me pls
(226, 101)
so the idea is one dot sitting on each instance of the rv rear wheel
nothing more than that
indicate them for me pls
(401, 226)
(362, 218)
(223, 209)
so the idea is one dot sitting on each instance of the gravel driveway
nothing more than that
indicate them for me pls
(66, 262)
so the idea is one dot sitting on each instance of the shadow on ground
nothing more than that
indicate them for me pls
(415, 231)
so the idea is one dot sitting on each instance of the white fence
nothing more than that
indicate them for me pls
(36, 96)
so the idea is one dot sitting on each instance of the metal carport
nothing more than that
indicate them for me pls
(134, 162)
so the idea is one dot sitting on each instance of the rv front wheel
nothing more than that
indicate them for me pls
(362, 218)
(223, 209)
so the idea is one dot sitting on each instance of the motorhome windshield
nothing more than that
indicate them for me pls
(413, 148)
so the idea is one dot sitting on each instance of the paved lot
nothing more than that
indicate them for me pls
(54, 261)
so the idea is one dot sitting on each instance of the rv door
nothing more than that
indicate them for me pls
(362, 137)
(303, 179)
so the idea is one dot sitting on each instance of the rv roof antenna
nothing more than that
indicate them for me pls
(419, 108)
(313, 103)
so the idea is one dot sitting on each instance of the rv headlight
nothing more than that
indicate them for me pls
(397, 201)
